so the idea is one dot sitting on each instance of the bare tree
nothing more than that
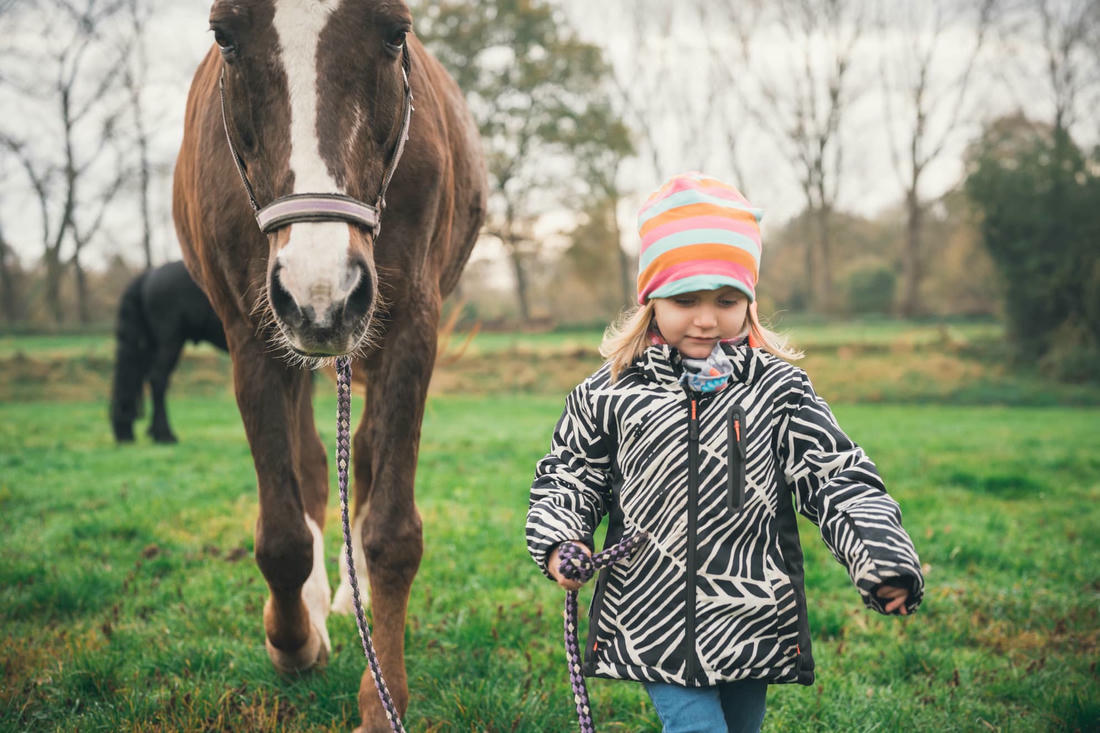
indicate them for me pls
(9, 290)
(667, 85)
(1065, 33)
(803, 105)
(602, 143)
(726, 27)
(640, 67)
(135, 80)
(84, 228)
(1066, 27)
(54, 228)
(65, 173)
(527, 79)
(931, 113)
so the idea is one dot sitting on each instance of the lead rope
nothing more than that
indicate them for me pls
(343, 452)
(577, 565)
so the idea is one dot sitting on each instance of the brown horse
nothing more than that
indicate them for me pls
(307, 103)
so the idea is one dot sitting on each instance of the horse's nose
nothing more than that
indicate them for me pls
(321, 318)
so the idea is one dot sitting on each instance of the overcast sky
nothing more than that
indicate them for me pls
(692, 130)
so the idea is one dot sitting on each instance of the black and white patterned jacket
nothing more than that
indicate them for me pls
(716, 594)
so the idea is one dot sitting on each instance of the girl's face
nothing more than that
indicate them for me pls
(694, 322)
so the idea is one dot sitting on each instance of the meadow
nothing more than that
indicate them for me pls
(130, 600)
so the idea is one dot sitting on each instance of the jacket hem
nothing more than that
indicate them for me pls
(788, 674)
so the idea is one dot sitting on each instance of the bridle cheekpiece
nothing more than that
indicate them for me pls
(298, 207)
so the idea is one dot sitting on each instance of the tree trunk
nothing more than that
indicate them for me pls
(9, 297)
(912, 270)
(81, 291)
(54, 271)
(828, 299)
(819, 274)
(146, 218)
(521, 281)
(627, 280)
(810, 283)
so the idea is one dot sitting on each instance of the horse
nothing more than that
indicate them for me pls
(160, 310)
(316, 231)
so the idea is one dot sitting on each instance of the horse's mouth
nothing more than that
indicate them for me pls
(319, 346)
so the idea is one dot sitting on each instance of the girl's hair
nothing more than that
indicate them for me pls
(630, 334)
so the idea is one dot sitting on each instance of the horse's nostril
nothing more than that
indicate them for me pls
(359, 299)
(284, 305)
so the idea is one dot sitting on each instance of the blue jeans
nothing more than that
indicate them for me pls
(736, 707)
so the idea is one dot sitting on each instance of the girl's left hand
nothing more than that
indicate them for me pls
(898, 598)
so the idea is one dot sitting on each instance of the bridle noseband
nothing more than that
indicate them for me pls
(298, 207)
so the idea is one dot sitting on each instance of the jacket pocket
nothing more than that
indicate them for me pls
(735, 456)
(787, 619)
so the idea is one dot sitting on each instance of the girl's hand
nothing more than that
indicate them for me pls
(554, 567)
(898, 595)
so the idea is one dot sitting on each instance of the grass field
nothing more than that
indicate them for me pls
(130, 600)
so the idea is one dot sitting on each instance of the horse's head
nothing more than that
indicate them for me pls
(315, 98)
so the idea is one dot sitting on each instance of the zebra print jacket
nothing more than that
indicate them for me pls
(716, 594)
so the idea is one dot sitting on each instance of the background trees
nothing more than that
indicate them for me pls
(535, 91)
(1038, 192)
(846, 120)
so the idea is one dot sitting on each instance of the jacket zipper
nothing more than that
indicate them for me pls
(735, 490)
(692, 502)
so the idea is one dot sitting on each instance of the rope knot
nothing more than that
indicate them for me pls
(575, 562)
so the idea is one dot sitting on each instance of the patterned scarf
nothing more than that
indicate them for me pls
(708, 375)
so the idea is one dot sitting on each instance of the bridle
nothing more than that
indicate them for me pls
(298, 207)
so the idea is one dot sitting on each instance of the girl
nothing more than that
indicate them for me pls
(697, 434)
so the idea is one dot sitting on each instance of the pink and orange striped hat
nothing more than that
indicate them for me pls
(698, 233)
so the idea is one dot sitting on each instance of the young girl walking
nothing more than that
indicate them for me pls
(696, 433)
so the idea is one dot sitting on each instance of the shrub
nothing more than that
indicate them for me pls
(871, 289)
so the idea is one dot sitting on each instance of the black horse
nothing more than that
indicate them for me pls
(160, 310)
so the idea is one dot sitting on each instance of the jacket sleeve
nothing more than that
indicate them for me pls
(572, 486)
(839, 489)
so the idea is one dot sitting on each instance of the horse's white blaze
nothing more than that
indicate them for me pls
(314, 261)
(342, 601)
(315, 591)
(358, 119)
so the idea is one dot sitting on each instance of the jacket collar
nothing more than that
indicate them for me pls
(662, 364)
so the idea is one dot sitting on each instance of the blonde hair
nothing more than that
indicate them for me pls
(630, 334)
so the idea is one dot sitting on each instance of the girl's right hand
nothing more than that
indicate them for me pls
(554, 567)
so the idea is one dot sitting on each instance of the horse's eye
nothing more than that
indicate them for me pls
(225, 43)
(396, 40)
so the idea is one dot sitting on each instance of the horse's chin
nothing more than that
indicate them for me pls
(316, 350)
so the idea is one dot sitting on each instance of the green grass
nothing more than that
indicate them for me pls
(131, 602)
(807, 333)
(870, 361)
(804, 332)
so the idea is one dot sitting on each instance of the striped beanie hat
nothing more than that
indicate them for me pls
(697, 234)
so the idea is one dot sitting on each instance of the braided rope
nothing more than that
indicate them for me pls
(343, 453)
(577, 565)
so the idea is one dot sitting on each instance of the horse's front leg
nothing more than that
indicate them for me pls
(274, 401)
(385, 453)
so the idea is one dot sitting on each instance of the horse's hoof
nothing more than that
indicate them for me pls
(165, 439)
(380, 728)
(311, 655)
